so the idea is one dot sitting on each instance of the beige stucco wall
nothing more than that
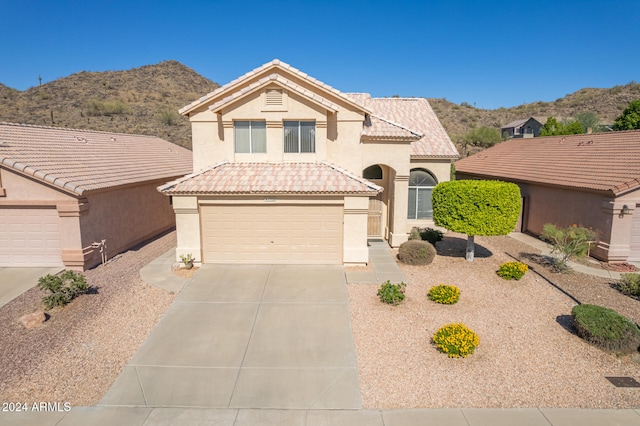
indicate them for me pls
(124, 217)
(565, 207)
(354, 233)
(355, 230)
(338, 140)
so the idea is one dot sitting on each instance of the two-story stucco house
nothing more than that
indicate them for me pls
(291, 170)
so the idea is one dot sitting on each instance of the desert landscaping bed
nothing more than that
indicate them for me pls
(528, 355)
(77, 354)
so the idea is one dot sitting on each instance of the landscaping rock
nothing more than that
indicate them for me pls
(33, 320)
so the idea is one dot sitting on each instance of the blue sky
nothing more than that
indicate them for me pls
(487, 53)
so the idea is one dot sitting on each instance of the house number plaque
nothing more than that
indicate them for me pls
(269, 199)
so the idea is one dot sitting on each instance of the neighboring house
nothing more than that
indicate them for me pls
(290, 170)
(591, 180)
(64, 191)
(525, 128)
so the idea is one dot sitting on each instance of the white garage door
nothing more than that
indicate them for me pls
(297, 234)
(29, 237)
(634, 255)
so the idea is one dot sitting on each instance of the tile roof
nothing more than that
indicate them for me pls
(415, 115)
(276, 63)
(600, 161)
(271, 178)
(285, 82)
(83, 160)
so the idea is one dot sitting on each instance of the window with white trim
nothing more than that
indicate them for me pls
(421, 183)
(250, 137)
(299, 136)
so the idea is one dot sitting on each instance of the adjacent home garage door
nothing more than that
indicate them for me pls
(29, 237)
(634, 255)
(299, 234)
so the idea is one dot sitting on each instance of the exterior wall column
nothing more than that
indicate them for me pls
(74, 256)
(356, 212)
(187, 227)
(619, 246)
(398, 234)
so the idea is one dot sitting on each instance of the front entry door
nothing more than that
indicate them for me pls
(374, 221)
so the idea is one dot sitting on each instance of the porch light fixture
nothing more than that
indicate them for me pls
(624, 211)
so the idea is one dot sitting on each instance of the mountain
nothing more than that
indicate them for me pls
(607, 104)
(142, 100)
(145, 100)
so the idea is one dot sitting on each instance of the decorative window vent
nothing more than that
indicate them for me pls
(273, 97)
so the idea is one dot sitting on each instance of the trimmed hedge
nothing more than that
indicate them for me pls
(416, 252)
(476, 207)
(605, 328)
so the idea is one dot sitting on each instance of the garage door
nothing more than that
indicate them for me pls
(29, 237)
(634, 255)
(298, 234)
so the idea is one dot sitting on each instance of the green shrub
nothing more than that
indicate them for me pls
(416, 252)
(445, 294)
(630, 285)
(431, 235)
(63, 288)
(393, 294)
(606, 328)
(476, 207)
(414, 234)
(456, 340)
(512, 270)
(97, 107)
(569, 242)
(168, 115)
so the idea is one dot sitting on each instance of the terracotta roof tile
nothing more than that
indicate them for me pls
(415, 115)
(82, 160)
(600, 161)
(271, 178)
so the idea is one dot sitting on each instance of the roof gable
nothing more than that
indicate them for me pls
(78, 161)
(600, 161)
(289, 76)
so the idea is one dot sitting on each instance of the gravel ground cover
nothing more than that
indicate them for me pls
(528, 354)
(76, 355)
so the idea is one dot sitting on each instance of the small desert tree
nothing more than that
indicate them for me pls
(476, 207)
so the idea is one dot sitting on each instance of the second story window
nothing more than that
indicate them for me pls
(250, 136)
(299, 136)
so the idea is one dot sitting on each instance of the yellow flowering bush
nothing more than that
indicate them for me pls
(445, 294)
(456, 340)
(512, 270)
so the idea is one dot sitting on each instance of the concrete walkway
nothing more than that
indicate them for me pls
(384, 265)
(249, 336)
(15, 281)
(165, 404)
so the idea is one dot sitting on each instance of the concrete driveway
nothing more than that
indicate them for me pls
(263, 336)
(15, 281)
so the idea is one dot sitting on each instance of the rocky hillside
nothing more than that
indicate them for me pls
(142, 100)
(145, 100)
(607, 104)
